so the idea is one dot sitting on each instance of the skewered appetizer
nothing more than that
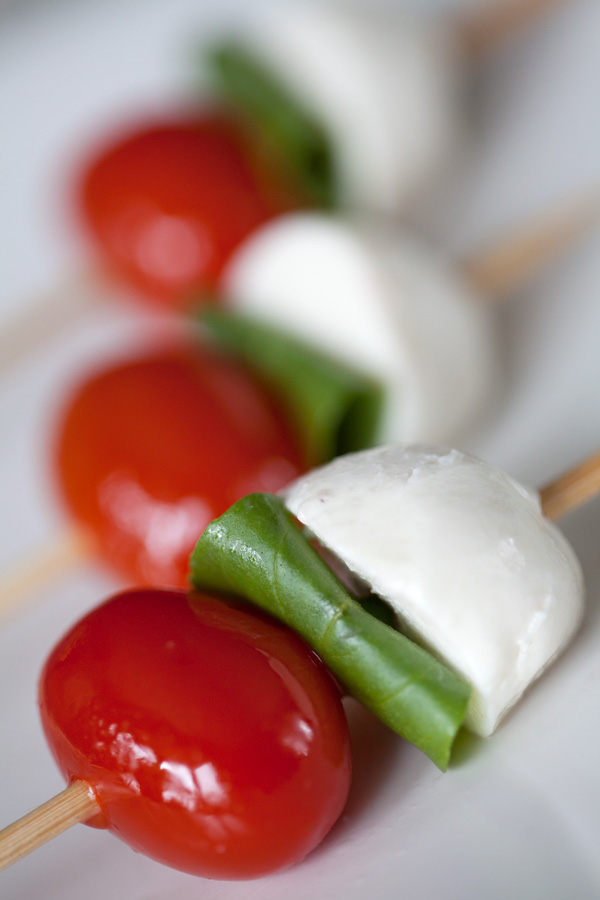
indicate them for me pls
(210, 792)
(462, 554)
(315, 105)
(167, 203)
(410, 352)
(205, 780)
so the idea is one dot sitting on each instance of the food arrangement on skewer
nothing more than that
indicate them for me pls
(175, 791)
(330, 336)
(282, 129)
(184, 750)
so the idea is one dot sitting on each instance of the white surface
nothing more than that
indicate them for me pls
(463, 555)
(517, 816)
(374, 297)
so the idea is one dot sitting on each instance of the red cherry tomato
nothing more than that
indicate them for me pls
(214, 738)
(168, 203)
(150, 451)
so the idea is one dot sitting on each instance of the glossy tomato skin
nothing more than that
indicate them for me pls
(168, 203)
(149, 451)
(214, 738)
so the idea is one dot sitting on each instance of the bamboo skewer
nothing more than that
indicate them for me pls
(75, 804)
(48, 315)
(507, 265)
(68, 549)
(572, 490)
(482, 30)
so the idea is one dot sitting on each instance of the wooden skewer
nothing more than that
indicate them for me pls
(571, 490)
(507, 265)
(46, 317)
(481, 30)
(68, 549)
(77, 803)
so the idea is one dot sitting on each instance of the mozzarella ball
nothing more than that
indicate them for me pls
(384, 85)
(461, 552)
(376, 299)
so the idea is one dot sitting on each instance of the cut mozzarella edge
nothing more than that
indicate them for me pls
(385, 86)
(379, 300)
(463, 555)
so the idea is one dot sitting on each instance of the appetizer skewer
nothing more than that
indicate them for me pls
(219, 557)
(79, 802)
(153, 199)
(511, 261)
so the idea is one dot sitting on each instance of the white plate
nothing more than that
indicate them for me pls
(517, 815)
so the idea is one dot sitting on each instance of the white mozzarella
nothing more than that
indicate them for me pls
(383, 84)
(381, 301)
(462, 553)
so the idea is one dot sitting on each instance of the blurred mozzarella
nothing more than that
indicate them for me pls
(385, 85)
(462, 553)
(383, 302)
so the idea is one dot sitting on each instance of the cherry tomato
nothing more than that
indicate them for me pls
(169, 202)
(213, 737)
(151, 450)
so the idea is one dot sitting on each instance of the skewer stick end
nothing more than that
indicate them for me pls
(69, 548)
(77, 803)
(485, 26)
(572, 489)
(503, 268)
